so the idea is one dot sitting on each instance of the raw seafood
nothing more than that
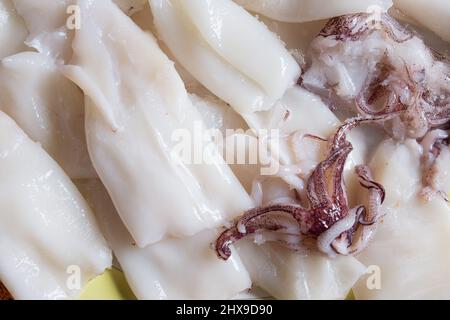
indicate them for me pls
(136, 102)
(302, 276)
(184, 268)
(311, 10)
(433, 14)
(12, 30)
(327, 218)
(48, 35)
(220, 44)
(130, 7)
(53, 34)
(4, 294)
(48, 107)
(283, 273)
(48, 235)
(436, 154)
(408, 268)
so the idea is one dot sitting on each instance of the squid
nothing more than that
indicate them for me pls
(50, 243)
(328, 224)
(131, 7)
(173, 17)
(283, 273)
(183, 27)
(220, 44)
(435, 159)
(289, 275)
(135, 102)
(402, 266)
(434, 14)
(52, 36)
(311, 10)
(48, 107)
(49, 36)
(12, 30)
(379, 67)
(279, 271)
(175, 269)
(217, 114)
(296, 36)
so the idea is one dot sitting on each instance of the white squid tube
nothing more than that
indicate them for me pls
(295, 276)
(50, 245)
(277, 276)
(301, 113)
(186, 268)
(227, 50)
(433, 14)
(136, 102)
(48, 107)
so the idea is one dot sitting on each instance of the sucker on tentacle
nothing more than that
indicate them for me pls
(328, 206)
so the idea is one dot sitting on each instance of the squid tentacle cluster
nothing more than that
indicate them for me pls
(391, 70)
(398, 72)
(336, 228)
(352, 27)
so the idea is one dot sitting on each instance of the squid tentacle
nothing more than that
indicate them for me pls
(258, 220)
(432, 145)
(328, 211)
(357, 238)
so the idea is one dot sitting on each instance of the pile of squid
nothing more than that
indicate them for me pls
(377, 71)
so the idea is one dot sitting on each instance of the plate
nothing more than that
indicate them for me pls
(111, 285)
